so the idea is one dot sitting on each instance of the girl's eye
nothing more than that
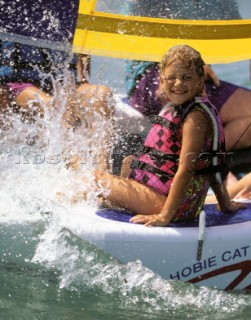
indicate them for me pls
(173, 78)
(170, 78)
(187, 77)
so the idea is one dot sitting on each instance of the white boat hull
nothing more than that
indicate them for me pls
(170, 252)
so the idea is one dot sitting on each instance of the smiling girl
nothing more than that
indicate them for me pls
(169, 178)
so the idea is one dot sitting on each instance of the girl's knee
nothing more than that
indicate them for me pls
(128, 160)
(100, 97)
(126, 166)
(100, 176)
(104, 91)
(94, 90)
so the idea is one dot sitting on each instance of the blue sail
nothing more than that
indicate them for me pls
(44, 23)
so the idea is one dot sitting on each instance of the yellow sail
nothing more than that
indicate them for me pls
(143, 38)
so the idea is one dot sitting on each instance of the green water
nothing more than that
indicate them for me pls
(27, 294)
(48, 273)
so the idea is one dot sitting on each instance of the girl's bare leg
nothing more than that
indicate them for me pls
(87, 98)
(238, 134)
(242, 188)
(33, 93)
(236, 117)
(98, 98)
(130, 194)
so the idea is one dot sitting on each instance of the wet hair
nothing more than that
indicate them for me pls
(186, 55)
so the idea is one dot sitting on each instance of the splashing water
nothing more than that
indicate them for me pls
(36, 210)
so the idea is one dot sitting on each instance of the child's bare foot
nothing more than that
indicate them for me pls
(78, 197)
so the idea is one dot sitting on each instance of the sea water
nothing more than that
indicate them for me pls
(47, 271)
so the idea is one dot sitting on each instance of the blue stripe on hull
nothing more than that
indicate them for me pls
(213, 216)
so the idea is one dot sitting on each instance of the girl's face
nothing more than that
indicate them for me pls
(180, 83)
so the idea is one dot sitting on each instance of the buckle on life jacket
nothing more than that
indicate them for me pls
(156, 119)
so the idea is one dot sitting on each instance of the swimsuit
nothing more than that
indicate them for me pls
(218, 95)
(16, 88)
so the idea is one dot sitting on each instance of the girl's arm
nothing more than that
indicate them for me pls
(195, 130)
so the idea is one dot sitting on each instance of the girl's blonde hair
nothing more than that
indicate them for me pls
(186, 55)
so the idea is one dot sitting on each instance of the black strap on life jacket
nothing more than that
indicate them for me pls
(211, 169)
(164, 122)
(157, 154)
(149, 168)
(222, 168)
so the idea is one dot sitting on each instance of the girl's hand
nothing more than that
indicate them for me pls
(151, 220)
(233, 207)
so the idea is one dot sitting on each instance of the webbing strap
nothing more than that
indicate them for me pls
(221, 168)
(147, 167)
(159, 154)
(164, 122)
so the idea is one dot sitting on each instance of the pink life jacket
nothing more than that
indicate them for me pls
(159, 158)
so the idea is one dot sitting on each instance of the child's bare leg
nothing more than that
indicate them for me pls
(237, 120)
(238, 130)
(231, 179)
(130, 194)
(39, 99)
(98, 98)
(241, 189)
(243, 186)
